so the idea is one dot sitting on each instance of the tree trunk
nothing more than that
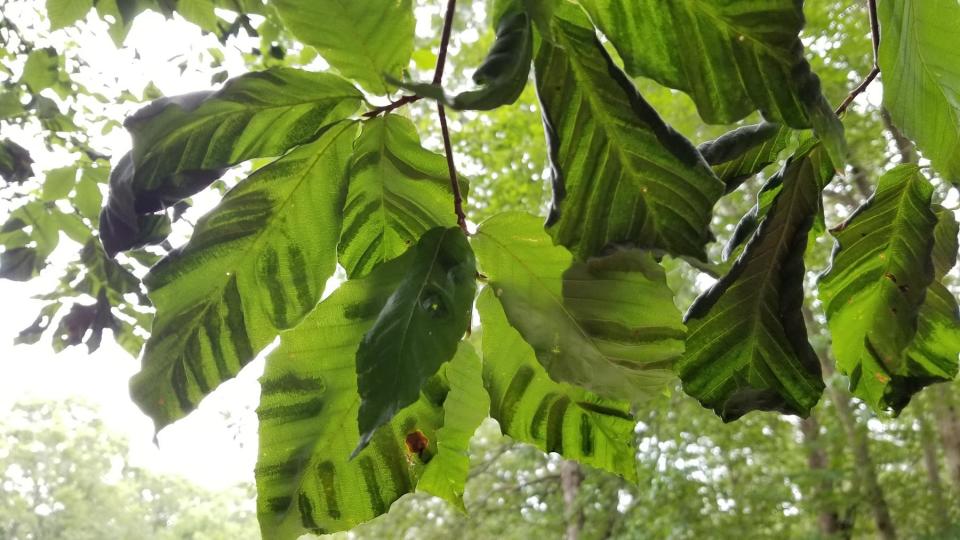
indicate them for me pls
(932, 463)
(828, 517)
(570, 478)
(948, 424)
(860, 444)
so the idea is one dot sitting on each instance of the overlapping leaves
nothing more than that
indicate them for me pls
(876, 285)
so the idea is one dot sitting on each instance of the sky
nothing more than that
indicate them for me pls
(214, 446)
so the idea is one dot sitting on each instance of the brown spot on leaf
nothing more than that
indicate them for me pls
(416, 442)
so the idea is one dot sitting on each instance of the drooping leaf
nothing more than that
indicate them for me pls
(63, 13)
(875, 286)
(554, 417)
(16, 165)
(261, 114)
(747, 345)
(620, 175)
(502, 75)
(123, 228)
(732, 58)
(306, 480)
(398, 191)
(608, 324)
(363, 39)
(418, 329)
(465, 406)
(933, 354)
(921, 77)
(255, 265)
(745, 151)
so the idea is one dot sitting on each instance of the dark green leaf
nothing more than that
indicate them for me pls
(398, 191)
(620, 175)
(20, 264)
(306, 480)
(745, 151)
(608, 324)
(362, 39)
(418, 329)
(33, 333)
(732, 58)
(255, 265)
(875, 286)
(58, 183)
(555, 417)
(921, 76)
(16, 165)
(502, 75)
(747, 345)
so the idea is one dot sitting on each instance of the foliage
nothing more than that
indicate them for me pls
(375, 388)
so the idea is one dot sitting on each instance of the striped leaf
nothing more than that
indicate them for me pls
(732, 58)
(555, 417)
(260, 114)
(398, 191)
(255, 265)
(362, 39)
(502, 75)
(921, 76)
(608, 324)
(620, 175)
(747, 345)
(306, 481)
(875, 286)
(745, 151)
(418, 329)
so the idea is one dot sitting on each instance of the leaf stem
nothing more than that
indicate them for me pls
(875, 70)
(387, 108)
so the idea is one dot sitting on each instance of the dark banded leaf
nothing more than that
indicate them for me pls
(620, 174)
(362, 39)
(747, 345)
(553, 416)
(876, 283)
(398, 191)
(306, 481)
(608, 324)
(179, 142)
(502, 75)
(739, 154)
(465, 406)
(255, 265)
(418, 329)
(732, 58)
(921, 77)
(932, 356)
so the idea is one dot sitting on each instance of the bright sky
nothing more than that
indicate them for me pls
(216, 445)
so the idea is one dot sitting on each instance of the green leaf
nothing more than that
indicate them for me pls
(739, 154)
(875, 286)
(555, 417)
(732, 58)
(306, 480)
(16, 165)
(63, 13)
(255, 265)
(921, 76)
(362, 39)
(398, 191)
(260, 114)
(88, 197)
(59, 182)
(620, 175)
(747, 345)
(503, 73)
(465, 406)
(418, 329)
(20, 264)
(586, 323)
(42, 69)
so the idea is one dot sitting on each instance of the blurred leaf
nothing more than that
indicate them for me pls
(63, 13)
(16, 165)
(59, 182)
(42, 69)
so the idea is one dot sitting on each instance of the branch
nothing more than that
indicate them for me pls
(447, 147)
(875, 70)
(387, 108)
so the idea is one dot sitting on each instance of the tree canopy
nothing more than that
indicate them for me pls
(625, 198)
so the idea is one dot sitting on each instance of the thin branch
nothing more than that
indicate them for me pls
(387, 108)
(454, 184)
(444, 41)
(875, 70)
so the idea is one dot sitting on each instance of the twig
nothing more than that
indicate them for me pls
(454, 184)
(875, 70)
(387, 108)
(444, 41)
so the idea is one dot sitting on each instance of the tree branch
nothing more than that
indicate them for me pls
(875, 70)
(447, 147)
